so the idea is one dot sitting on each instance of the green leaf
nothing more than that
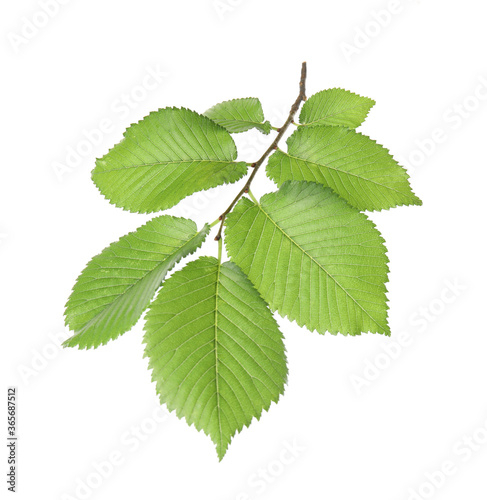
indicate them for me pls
(335, 107)
(353, 165)
(214, 348)
(165, 157)
(117, 285)
(239, 115)
(313, 258)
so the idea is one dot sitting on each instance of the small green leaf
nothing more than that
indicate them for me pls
(336, 107)
(214, 348)
(353, 165)
(165, 157)
(239, 115)
(313, 258)
(117, 285)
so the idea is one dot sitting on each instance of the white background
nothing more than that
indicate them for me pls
(359, 431)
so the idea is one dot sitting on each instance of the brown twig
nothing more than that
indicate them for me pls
(294, 109)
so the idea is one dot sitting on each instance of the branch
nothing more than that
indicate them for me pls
(294, 109)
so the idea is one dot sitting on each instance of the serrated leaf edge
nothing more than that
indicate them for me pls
(173, 409)
(258, 125)
(371, 103)
(234, 163)
(70, 342)
(386, 332)
(417, 201)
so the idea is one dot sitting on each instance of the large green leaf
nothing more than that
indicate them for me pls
(239, 115)
(117, 285)
(313, 258)
(353, 165)
(335, 107)
(215, 350)
(165, 157)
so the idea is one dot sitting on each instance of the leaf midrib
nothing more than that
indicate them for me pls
(313, 163)
(318, 264)
(161, 164)
(218, 408)
(145, 278)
